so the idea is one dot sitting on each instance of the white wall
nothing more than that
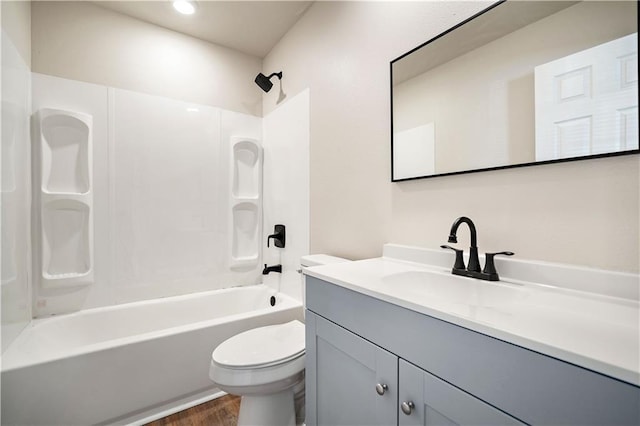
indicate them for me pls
(286, 189)
(82, 41)
(16, 194)
(583, 213)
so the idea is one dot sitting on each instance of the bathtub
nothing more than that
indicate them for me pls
(129, 362)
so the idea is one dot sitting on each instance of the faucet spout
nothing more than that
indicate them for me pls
(472, 228)
(274, 268)
(474, 261)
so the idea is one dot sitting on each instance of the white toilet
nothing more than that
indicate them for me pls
(264, 365)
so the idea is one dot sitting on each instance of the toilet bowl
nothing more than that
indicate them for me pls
(262, 365)
(265, 366)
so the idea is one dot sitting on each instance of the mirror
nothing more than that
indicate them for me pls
(521, 83)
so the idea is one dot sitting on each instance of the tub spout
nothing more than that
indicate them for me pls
(274, 268)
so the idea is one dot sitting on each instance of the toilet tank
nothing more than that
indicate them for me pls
(320, 259)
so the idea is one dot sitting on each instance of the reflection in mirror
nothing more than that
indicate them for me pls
(523, 82)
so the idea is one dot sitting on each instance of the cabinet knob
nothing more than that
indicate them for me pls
(381, 388)
(407, 407)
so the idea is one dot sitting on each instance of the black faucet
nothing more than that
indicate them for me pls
(474, 262)
(489, 272)
(274, 268)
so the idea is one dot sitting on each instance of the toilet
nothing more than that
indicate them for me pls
(265, 366)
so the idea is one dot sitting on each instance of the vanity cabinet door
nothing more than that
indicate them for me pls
(343, 372)
(436, 402)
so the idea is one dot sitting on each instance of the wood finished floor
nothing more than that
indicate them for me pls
(219, 412)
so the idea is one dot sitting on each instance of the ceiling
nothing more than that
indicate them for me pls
(251, 27)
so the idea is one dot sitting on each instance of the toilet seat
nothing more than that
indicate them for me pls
(265, 359)
(261, 347)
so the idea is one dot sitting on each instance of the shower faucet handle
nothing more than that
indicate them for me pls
(279, 236)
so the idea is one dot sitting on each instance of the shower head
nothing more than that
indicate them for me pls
(265, 82)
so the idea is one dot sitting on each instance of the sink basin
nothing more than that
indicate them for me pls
(487, 300)
(423, 286)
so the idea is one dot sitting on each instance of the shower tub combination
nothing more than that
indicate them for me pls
(129, 363)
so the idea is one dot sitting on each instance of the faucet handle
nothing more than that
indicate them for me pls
(489, 266)
(459, 263)
(279, 236)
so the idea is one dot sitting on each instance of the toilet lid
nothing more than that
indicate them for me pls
(262, 347)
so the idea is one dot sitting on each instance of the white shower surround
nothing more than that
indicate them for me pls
(286, 188)
(129, 363)
(161, 195)
(15, 181)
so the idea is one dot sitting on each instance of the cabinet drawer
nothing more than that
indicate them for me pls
(532, 387)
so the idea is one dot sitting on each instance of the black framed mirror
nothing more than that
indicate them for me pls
(518, 84)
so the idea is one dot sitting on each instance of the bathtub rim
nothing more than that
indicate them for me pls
(17, 360)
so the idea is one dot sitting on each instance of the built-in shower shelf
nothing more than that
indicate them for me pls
(246, 203)
(66, 280)
(65, 139)
(247, 168)
(64, 276)
(71, 198)
(244, 263)
(64, 194)
(63, 197)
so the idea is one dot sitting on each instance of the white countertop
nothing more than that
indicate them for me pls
(595, 331)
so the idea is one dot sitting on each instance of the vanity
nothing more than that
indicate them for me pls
(400, 340)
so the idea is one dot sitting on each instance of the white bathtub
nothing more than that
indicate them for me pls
(127, 362)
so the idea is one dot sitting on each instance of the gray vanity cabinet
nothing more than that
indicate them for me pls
(450, 374)
(351, 381)
(343, 382)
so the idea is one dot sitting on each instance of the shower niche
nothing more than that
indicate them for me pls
(63, 197)
(246, 203)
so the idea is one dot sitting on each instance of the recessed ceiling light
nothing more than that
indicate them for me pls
(186, 7)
